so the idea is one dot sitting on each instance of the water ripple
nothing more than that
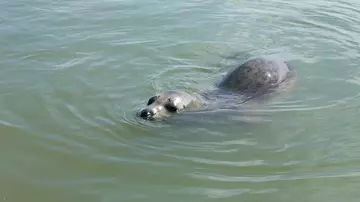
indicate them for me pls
(221, 162)
(272, 178)
(74, 73)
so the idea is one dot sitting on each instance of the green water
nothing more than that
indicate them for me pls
(73, 74)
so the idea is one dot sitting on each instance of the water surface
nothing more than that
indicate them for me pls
(74, 73)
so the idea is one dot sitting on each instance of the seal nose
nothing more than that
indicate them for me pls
(145, 113)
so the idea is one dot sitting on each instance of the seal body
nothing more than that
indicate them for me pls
(255, 77)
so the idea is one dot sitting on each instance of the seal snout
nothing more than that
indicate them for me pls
(146, 113)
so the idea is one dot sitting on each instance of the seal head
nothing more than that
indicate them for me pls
(166, 104)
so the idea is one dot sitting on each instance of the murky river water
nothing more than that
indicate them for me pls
(74, 73)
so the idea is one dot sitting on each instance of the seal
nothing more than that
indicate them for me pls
(255, 78)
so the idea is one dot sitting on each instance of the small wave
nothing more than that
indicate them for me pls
(220, 162)
(272, 178)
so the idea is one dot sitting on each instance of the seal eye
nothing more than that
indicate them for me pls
(152, 100)
(171, 108)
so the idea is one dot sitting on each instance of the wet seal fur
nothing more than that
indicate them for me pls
(257, 78)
